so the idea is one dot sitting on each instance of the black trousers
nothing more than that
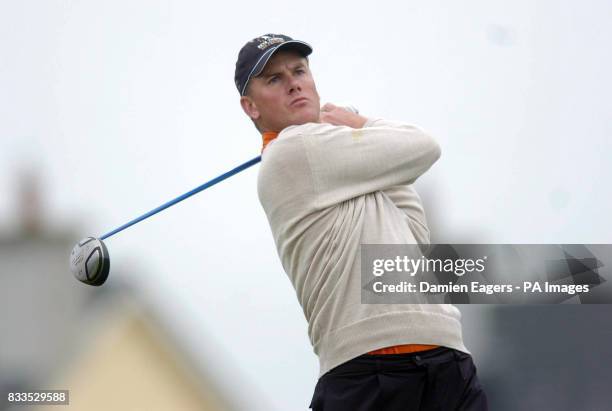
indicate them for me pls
(442, 379)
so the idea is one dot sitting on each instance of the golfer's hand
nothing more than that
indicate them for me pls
(339, 116)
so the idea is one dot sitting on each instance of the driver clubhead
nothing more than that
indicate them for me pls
(89, 261)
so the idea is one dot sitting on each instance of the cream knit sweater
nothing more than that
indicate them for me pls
(328, 189)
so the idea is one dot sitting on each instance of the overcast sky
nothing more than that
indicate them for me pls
(123, 105)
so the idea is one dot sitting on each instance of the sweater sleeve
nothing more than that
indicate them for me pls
(346, 162)
(405, 197)
(407, 200)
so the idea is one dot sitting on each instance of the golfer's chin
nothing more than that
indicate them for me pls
(306, 114)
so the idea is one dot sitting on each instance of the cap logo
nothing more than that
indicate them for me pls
(267, 41)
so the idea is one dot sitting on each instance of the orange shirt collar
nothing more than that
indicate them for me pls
(267, 137)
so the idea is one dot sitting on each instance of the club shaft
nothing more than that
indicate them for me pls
(184, 196)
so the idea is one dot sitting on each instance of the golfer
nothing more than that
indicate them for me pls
(330, 180)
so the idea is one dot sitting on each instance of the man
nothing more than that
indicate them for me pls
(331, 180)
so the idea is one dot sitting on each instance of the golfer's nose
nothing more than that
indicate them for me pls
(294, 85)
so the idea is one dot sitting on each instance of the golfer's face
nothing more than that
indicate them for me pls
(285, 94)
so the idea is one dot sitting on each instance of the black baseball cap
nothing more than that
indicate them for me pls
(255, 54)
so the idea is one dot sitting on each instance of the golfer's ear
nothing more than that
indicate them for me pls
(249, 107)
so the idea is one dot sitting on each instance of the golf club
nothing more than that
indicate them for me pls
(89, 259)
